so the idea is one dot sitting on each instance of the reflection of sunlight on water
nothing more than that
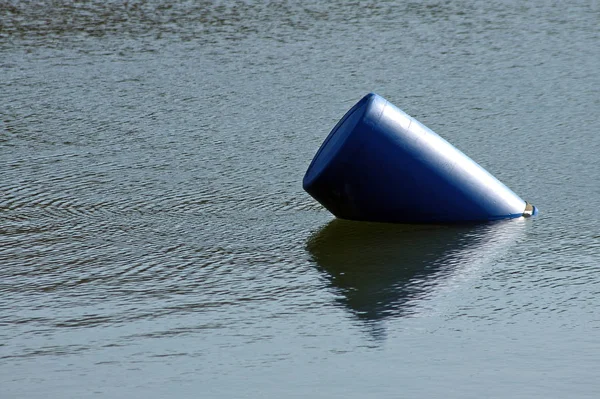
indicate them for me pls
(392, 270)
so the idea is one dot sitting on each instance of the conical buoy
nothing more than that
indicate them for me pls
(380, 164)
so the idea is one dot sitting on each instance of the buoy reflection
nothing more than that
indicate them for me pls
(382, 270)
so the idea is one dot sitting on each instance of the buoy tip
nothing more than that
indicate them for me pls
(530, 210)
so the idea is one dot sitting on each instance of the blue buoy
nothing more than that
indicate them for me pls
(379, 164)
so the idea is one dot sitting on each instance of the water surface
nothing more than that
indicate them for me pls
(155, 239)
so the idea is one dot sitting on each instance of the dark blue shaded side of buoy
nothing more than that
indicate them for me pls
(379, 164)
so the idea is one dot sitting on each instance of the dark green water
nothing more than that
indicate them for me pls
(155, 240)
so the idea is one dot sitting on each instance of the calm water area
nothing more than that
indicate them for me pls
(155, 240)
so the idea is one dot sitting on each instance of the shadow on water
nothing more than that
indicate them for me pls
(383, 270)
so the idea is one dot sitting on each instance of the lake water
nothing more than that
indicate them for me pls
(155, 240)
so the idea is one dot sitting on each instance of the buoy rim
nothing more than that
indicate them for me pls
(330, 147)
